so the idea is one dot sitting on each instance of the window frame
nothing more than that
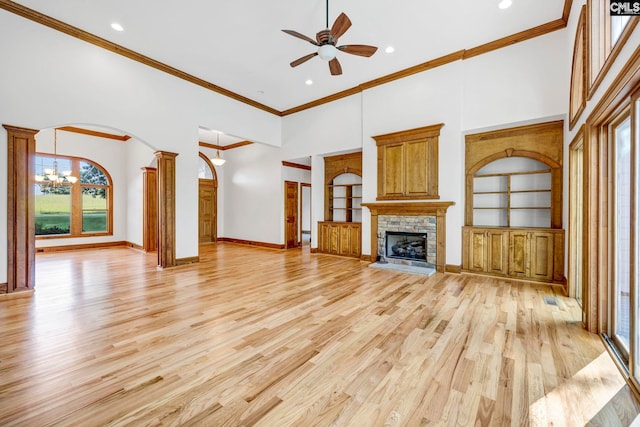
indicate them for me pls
(76, 214)
(601, 54)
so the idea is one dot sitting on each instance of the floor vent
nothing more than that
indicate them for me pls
(551, 301)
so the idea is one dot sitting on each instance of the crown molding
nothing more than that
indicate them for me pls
(296, 165)
(94, 133)
(224, 147)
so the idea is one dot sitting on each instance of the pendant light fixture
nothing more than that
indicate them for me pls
(52, 176)
(217, 160)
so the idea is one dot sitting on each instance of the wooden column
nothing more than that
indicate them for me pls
(21, 147)
(166, 183)
(149, 209)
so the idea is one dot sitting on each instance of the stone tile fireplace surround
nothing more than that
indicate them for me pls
(426, 217)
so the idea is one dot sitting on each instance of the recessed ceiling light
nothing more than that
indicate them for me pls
(309, 82)
(117, 26)
(504, 4)
(390, 49)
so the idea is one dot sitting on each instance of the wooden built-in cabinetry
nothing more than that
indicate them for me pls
(340, 238)
(513, 209)
(408, 164)
(532, 254)
(340, 233)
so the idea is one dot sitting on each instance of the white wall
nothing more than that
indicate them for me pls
(49, 79)
(138, 156)
(253, 194)
(524, 82)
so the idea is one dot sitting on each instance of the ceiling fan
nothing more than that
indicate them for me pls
(326, 41)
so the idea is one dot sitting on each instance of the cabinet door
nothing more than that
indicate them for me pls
(415, 167)
(477, 247)
(334, 239)
(497, 251)
(323, 237)
(345, 239)
(541, 256)
(354, 240)
(393, 165)
(519, 253)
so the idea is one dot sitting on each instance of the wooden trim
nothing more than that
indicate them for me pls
(619, 89)
(94, 133)
(420, 68)
(224, 147)
(16, 295)
(296, 165)
(321, 101)
(367, 258)
(149, 209)
(166, 208)
(603, 44)
(76, 32)
(438, 209)
(521, 36)
(251, 243)
(134, 246)
(21, 146)
(424, 132)
(578, 86)
(455, 269)
(566, 11)
(62, 248)
(187, 261)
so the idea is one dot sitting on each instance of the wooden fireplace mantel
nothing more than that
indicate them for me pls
(437, 209)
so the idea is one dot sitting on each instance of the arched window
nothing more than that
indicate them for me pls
(65, 208)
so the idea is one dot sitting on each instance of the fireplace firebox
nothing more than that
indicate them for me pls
(403, 245)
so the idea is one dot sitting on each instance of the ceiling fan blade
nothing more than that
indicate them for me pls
(303, 59)
(301, 36)
(358, 49)
(340, 27)
(334, 67)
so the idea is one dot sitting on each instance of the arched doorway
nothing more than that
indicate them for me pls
(207, 201)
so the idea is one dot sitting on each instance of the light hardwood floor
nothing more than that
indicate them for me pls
(253, 336)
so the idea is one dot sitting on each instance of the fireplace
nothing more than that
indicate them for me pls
(407, 246)
(424, 218)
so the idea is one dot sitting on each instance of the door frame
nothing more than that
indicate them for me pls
(296, 218)
(301, 202)
(214, 182)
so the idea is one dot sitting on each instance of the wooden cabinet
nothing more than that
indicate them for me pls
(408, 164)
(339, 238)
(487, 250)
(531, 254)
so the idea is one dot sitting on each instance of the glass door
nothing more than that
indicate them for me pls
(621, 239)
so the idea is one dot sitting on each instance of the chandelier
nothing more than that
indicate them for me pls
(217, 160)
(51, 175)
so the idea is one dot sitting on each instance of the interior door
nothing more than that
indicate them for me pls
(207, 214)
(291, 214)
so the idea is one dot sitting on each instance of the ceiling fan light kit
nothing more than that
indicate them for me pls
(326, 41)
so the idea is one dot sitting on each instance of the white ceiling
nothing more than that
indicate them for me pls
(238, 44)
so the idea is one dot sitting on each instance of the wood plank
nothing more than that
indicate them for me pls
(253, 336)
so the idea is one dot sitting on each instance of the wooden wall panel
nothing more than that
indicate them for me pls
(21, 244)
(166, 208)
(150, 209)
